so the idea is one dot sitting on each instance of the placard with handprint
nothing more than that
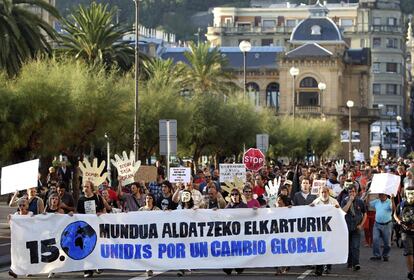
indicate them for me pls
(92, 172)
(127, 167)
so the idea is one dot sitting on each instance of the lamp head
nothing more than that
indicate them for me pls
(294, 71)
(322, 86)
(350, 103)
(245, 46)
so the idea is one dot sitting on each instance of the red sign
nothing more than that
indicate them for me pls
(253, 159)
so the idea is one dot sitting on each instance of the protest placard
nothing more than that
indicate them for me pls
(180, 175)
(316, 185)
(163, 240)
(19, 176)
(146, 173)
(127, 167)
(230, 171)
(385, 183)
(92, 172)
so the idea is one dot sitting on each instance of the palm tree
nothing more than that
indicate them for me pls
(206, 72)
(161, 74)
(23, 34)
(91, 35)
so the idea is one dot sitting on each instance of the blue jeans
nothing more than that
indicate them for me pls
(354, 243)
(381, 232)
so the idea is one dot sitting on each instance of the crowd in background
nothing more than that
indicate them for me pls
(381, 218)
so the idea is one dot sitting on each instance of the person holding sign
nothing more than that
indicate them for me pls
(384, 207)
(36, 205)
(134, 200)
(355, 218)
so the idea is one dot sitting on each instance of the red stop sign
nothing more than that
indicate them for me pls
(253, 159)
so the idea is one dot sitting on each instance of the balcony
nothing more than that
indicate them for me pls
(386, 28)
(225, 30)
(308, 110)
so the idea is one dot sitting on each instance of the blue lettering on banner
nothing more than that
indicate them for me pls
(297, 245)
(126, 251)
(199, 250)
(238, 248)
(173, 251)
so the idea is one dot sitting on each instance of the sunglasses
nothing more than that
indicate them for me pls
(22, 205)
(234, 194)
(248, 191)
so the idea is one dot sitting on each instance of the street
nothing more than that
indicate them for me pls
(394, 269)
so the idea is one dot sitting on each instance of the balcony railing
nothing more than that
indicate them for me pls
(249, 29)
(308, 109)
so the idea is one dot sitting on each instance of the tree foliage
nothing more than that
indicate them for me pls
(91, 35)
(24, 35)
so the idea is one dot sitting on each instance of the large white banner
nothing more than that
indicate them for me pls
(19, 176)
(182, 239)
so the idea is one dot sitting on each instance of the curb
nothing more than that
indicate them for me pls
(4, 225)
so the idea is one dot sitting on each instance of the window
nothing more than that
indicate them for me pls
(392, 43)
(346, 22)
(291, 22)
(376, 42)
(308, 92)
(244, 26)
(362, 43)
(272, 95)
(377, 21)
(392, 21)
(392, 89)
(228, 21)
(267, 42)
(392, 67)
(316, 30)
(253, 92)
(376, 67)
(376, 88)
(391, 110)
(308, 82)
(269, 24)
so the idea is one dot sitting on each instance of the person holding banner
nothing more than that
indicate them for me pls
(196, 195)
(23, 209)
(90, 203)
(355, 218)
(165, 201)
(149, 203)
(324, 199)
(248, 194)
(214, 199)
(53, 204)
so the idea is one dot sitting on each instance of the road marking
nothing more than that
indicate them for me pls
(5, 244)
(143, 276)
(306, 273)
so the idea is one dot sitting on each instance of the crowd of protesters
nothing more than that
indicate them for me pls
(380, 217)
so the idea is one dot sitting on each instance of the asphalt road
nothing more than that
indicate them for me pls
(394, 269)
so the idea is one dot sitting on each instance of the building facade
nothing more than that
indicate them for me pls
(374, 24)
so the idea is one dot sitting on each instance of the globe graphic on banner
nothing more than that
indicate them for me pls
(78, 240)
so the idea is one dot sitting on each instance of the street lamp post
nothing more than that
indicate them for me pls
(136, 125)
(350, 104)
(322, 87)
(380, 106)
(108, 157)
(244, 47)
(293, 72)
(399, 136)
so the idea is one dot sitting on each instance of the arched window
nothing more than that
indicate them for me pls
(253, 91)
(308, 92)
(272, 95)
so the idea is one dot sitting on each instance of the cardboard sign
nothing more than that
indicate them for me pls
(146, 174)
(92, 172)
(19, 176)
(180, 175)
(317, 185)
(385, 183)
(127, 167)
(230, 171)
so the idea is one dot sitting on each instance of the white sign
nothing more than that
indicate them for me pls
(229, 171)
(316, 185)
(385, 183)
(168, 240)
(19, 176)
(180, 175)
(127, 167)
